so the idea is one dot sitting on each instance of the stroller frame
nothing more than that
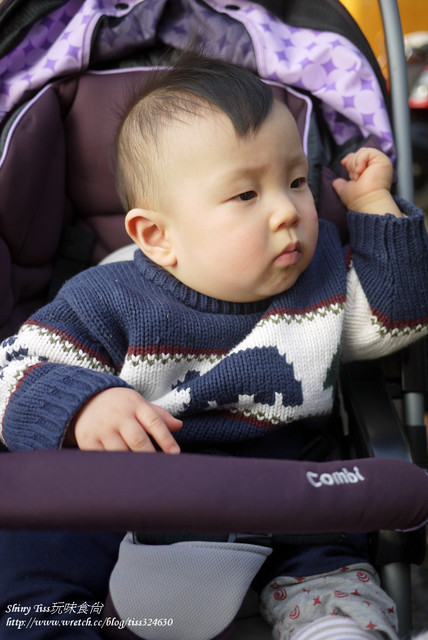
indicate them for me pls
(396, 576)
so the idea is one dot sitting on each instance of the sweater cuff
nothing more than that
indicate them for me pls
(57, 392)
(386, 238)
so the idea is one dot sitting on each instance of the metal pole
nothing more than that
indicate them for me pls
(413, 402)
(399, 96)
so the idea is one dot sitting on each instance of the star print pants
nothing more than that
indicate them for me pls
(288, 604)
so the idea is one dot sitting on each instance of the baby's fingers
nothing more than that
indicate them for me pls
(173, 424)
(158, 423)
(113, 441)
(356, 163)
(136, 438)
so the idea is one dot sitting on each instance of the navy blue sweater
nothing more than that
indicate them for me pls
(240, 375)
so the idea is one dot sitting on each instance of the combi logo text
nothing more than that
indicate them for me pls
(337, 477)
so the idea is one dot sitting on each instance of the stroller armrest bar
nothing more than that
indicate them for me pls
(71, 489)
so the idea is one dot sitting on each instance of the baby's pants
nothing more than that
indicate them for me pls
(51, 578)
(40, 569)
(289, 604)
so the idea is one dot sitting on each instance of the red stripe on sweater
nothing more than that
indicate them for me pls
(284, 311)
(78, 345)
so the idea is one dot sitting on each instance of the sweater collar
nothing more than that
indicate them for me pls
(161, 278)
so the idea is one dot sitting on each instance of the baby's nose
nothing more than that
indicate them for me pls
(284, 214)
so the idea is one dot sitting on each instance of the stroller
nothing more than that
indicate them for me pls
(62, 61)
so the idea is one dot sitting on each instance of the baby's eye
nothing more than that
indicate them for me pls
(247, 195)
(298, 183)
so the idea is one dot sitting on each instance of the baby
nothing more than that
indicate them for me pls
(223, 205)
(225, 332)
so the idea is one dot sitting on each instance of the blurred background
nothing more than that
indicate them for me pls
(414, 22)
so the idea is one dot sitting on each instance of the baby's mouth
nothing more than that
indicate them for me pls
(290, 255)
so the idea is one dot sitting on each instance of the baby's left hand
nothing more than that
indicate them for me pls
(370, 178)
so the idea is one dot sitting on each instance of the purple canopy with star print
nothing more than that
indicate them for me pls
(323, 63)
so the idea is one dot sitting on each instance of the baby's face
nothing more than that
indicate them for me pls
(241, 217)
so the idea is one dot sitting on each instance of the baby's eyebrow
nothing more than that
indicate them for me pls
(253, 167)
(242, 172)
(230, 176)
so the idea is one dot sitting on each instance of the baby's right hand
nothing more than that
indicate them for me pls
(119, 419)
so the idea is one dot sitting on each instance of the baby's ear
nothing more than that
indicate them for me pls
(149, 231)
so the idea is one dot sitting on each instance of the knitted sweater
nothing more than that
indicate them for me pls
(233, 372)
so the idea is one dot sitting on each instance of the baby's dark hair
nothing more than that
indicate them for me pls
(194, 86)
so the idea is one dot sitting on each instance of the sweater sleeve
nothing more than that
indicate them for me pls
(387, 301)
(56, 362)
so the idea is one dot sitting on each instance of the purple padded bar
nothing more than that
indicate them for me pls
(71, 489)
